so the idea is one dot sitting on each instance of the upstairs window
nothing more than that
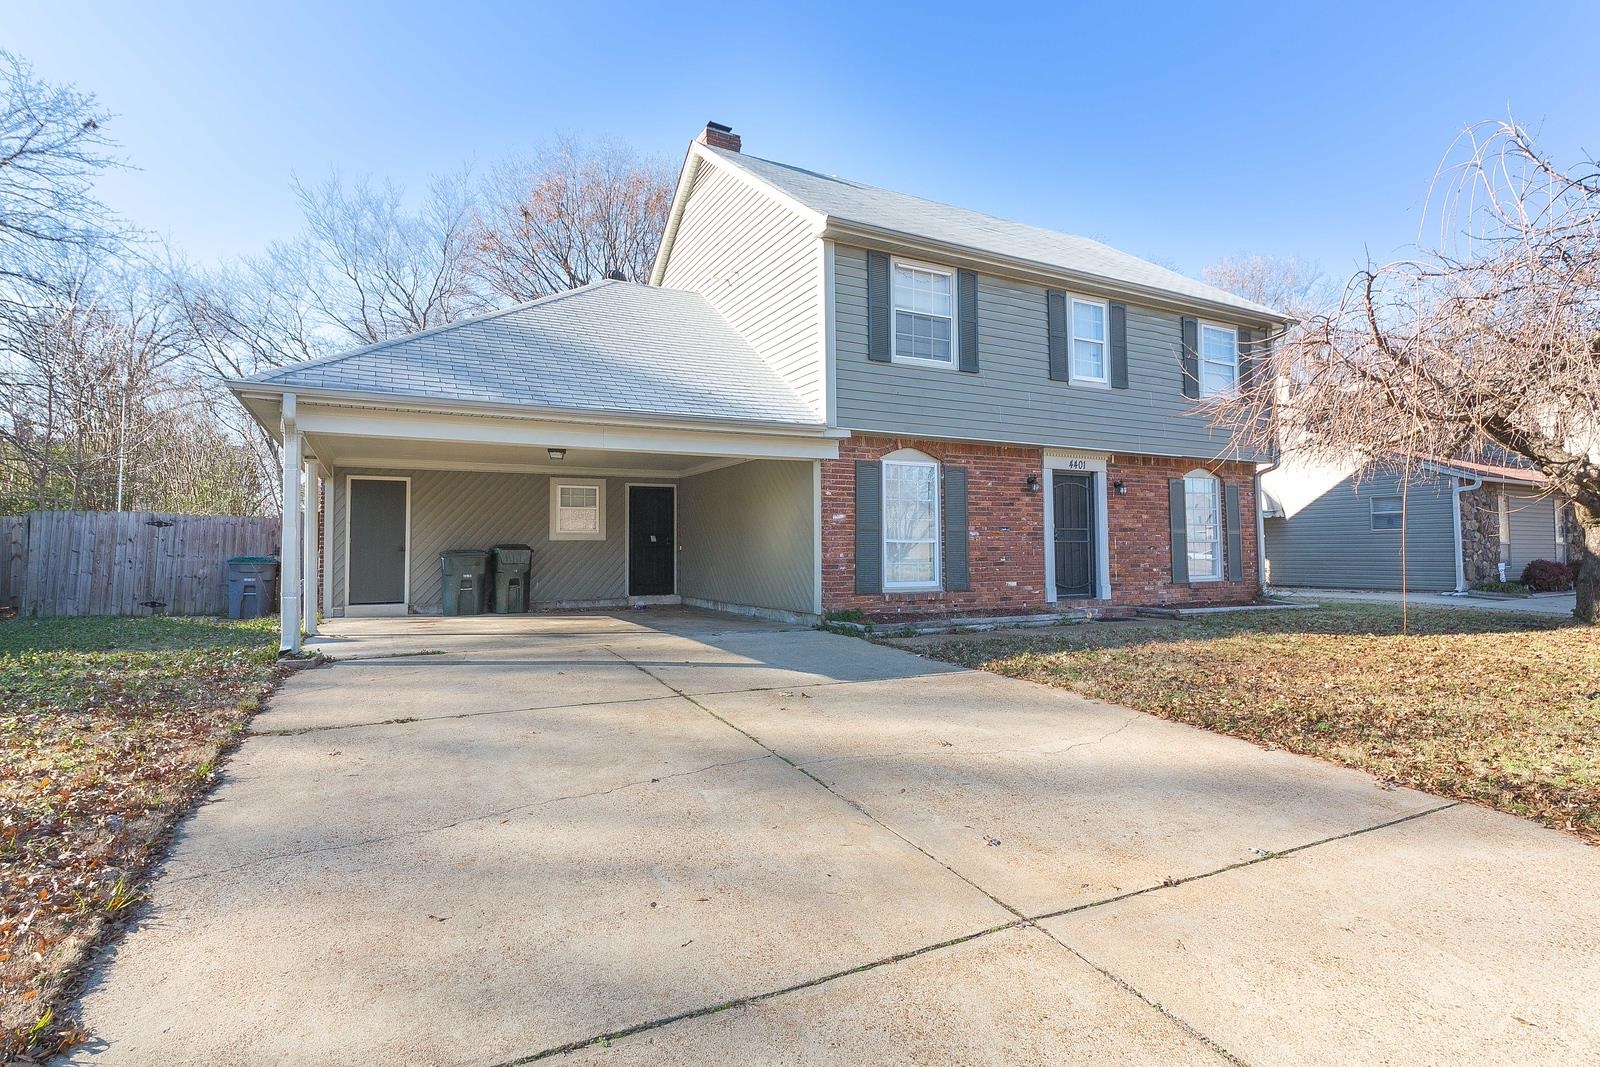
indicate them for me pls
(1219, 359)
(1088, 341)
(924, 314)
(1202, 509)
(910, 522)
(1386, 512)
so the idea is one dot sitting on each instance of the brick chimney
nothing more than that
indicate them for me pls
(719, 136)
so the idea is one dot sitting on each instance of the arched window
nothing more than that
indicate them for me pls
(910, 520)
(1202, 509)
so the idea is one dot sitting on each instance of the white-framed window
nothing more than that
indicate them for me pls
(1202, 510)
(1089, 339)
(924, 299)
(910, 522)
(1386, 512)
(577, 510)
(1219, 359)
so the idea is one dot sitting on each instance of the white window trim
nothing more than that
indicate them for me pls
(1104, 342)
(915, 459)
(597, 484)
(1221, 541)
(954, 363)
(1200, 354)
(1373, 513)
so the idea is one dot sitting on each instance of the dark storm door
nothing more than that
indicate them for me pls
(650, 522)
(377, 541)
(1074, 535)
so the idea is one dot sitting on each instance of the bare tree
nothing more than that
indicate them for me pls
(375, 269)
(1290, 285)
(52, 145)
(569, 215)
(1489, 341)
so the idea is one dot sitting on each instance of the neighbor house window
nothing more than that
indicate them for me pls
(1088, 341)
(1386, 512)
(924, 314)
(1219, 359)
(910, 523)
(1202, 509)
(577, 511)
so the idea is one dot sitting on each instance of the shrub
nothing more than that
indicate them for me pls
(1548, 576)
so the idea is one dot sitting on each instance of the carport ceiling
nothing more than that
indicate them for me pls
(339, 450)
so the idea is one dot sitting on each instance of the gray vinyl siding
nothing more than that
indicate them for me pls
(757, 262)
(1011, 399)
(1331, 543)
(747, 536)
(467, 509)
(1533, 528)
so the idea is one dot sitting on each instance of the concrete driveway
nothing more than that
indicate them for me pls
(677, 838)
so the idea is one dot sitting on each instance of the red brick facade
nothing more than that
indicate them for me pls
(1006, 546)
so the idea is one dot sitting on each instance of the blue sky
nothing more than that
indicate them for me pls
(1183, 132)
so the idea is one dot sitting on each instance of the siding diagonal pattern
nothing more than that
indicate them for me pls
(746, 536)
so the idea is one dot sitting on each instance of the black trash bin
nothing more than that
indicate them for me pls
(252, 586)
(512, 566)
(465, 589)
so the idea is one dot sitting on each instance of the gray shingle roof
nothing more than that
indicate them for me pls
(866, 205)
(610, 346)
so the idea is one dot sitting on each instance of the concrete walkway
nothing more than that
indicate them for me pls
(678, 838)
(1536, 605)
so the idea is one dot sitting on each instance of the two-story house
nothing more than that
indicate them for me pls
(829, 397)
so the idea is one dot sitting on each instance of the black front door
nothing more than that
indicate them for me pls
(650, 540)
(1074, 535)
(377, 541)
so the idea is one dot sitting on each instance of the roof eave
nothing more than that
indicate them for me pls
(846, 229)
(441, 406)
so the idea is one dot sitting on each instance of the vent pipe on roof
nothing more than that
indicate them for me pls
(616, 276)
(719, 136)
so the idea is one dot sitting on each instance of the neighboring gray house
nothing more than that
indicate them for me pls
(830, 397)
(1459, 524)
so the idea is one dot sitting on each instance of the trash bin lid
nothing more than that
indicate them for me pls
(254, 559)
(513, 548)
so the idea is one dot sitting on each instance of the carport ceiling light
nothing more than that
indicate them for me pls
(557, 453)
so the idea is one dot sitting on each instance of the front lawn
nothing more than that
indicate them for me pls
(109, 730)
(1493, 707)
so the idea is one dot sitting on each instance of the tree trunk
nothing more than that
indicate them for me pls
(1588, 581)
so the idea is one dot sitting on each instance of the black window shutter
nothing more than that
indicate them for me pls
(967, 320)
(956, 571)
(1119, 346)
(1247, 356)
(1056, 325)
(1191, 357)
(1180, 531)
(869, 526)
(1235, 538)
(878, 339)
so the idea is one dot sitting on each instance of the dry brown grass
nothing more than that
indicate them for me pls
(1497, 708)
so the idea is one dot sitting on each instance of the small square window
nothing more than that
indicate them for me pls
(1386, 512)
(577, 511)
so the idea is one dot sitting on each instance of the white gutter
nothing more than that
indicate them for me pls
(1455, 519)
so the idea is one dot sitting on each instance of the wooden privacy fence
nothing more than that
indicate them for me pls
(124, 562)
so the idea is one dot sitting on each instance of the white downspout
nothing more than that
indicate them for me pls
(289, 620)
(1455, 518)
(308, 552)
(1261, 528)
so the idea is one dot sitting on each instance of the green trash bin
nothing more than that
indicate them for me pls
(513, 566)
(465, 587)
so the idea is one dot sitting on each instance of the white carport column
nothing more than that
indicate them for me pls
(289, 620)
(308, 555)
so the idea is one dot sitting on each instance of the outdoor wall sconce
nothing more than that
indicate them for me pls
(1120, 486)
(1033, 483)
(556, 453)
